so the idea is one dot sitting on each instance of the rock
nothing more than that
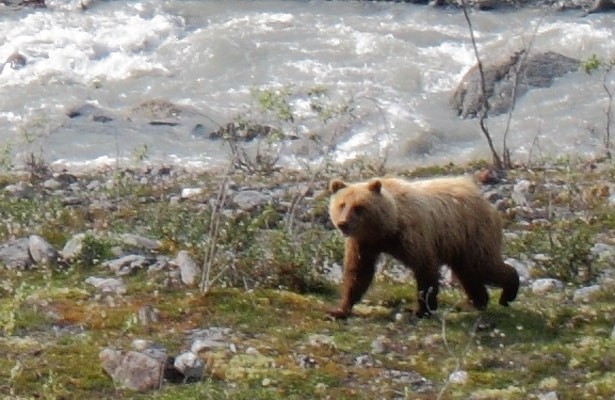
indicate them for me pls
(548, 396)
(378, 345)
(15, 254)
(41, 251)
(189, 270)
(190, 365)
(210, 338)
(546, 285)
(147, 315)
(248, 200)
(458, 377)
(602, 6)
(107, 285)
(140, 241)
(126, 265)
(132, 370)
(188, 193)
(522, 269)
(72, 249)
(585, 294)
(535, 71)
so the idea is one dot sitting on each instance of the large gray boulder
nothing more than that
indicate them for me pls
(534, 71)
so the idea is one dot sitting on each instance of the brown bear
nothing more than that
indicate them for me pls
(424, 224)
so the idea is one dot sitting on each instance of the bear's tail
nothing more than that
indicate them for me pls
(509, 282)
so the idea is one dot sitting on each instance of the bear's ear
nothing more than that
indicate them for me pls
(336, 184)
(375, 185)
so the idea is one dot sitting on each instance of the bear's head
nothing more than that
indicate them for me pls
(362, 210)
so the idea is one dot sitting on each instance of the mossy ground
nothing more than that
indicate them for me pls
(53, 325)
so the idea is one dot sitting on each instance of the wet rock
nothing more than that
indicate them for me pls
(411, 379)
(107, 285)
(15, 254)
(535, 71)
(190, 365)
(132, 370)
(546, 285)
(189, 270)
(41, 251)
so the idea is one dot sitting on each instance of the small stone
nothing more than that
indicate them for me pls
(378, 346)
(458, 377)
(548, 396)
(546, 285)
(188, 193)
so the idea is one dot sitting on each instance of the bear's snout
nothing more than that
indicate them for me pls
(344, 227)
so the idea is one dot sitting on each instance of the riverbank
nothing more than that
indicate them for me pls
(262, 247)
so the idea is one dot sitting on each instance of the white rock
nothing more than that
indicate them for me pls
(190, 365)
(548, 396)
(188, 193)
(458, 377)
(546, 285)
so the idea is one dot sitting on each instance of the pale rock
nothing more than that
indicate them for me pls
(458, 377)
(546, 285)
(107, 285)
(132, 370)
(189, 270)
(190, 365)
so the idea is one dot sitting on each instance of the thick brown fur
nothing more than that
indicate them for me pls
(424, 224)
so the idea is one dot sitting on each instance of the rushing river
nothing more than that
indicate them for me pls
(394, 65)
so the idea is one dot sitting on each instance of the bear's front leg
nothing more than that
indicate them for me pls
(359, 268)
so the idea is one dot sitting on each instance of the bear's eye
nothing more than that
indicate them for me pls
(342, 205)
(358, 210)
